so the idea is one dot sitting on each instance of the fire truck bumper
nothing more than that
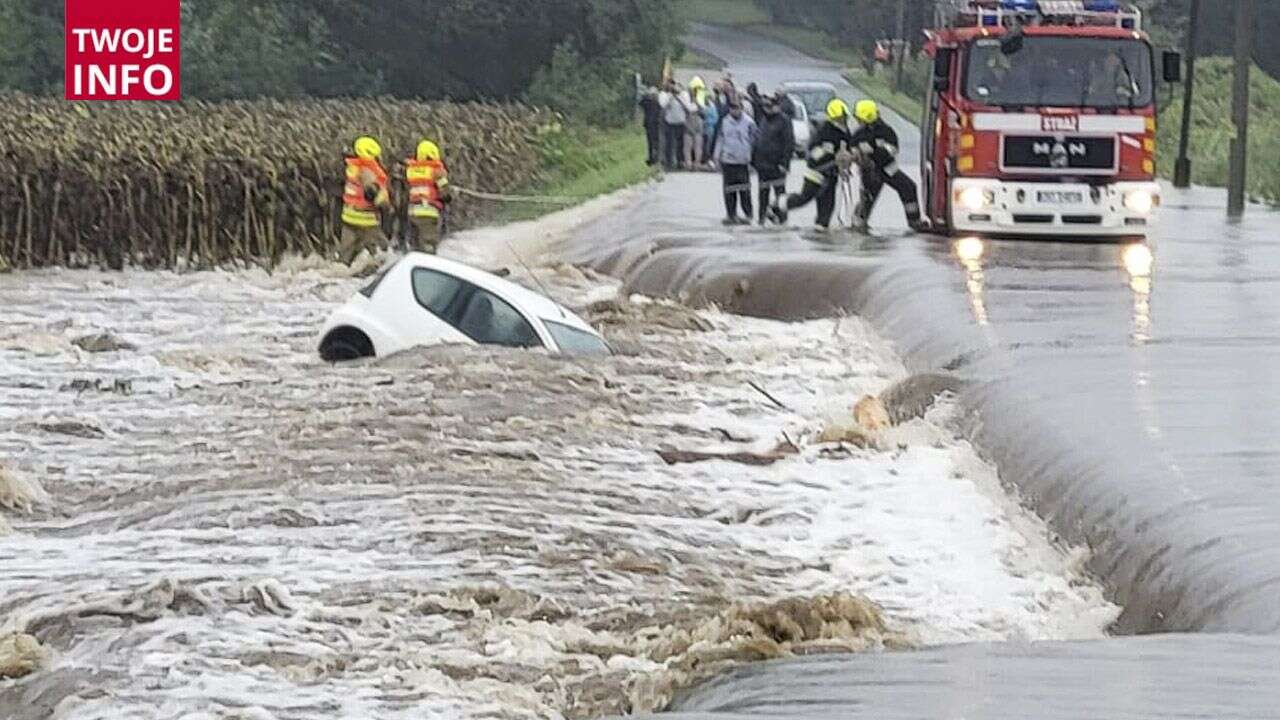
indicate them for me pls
(984, 206)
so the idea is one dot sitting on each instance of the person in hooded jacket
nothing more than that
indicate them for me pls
(733, 150)
(772, 154)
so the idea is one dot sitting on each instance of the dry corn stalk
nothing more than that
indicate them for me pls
(202, 185)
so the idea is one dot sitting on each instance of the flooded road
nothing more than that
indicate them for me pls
(1128, 393)
(199, 519)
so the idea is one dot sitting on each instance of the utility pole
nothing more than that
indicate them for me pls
(901, 43)
(1245, 12)
(1182, 169)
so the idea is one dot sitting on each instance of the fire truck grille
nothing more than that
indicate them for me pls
(1050, 154)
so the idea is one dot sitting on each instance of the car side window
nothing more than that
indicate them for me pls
(490, 320)
(437, 292)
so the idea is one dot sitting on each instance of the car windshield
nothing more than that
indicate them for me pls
(573, 341)
(1062, 72)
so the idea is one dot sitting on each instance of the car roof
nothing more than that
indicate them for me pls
(808, 85)
(529, 301)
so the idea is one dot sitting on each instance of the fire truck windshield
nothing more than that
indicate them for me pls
(1070, 72)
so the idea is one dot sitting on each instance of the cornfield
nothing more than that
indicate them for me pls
(197, 185)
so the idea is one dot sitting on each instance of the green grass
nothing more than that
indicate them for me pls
(879, 87)
(721, 12)
(1212, 131)
(691, 58)
(811, 42)
(581, 163)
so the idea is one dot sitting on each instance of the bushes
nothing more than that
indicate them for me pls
(600, 94)
(198, 185)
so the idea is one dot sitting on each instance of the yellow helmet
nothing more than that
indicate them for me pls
(428, 150)
(368, 148)
(866, 111)
(696, 83)
(837, 110)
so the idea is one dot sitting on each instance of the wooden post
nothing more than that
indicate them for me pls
(901, 43)
(1182, 169)
(1245, 12)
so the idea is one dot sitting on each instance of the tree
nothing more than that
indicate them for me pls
(31, 45)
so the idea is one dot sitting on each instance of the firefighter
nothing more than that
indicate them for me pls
(428, 181)
(364, 196)
(821, 180)
(876, 145)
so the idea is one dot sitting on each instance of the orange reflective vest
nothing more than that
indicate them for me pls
(357, 210)
(427, 180)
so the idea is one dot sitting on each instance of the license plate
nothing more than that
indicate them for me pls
(1060, 197)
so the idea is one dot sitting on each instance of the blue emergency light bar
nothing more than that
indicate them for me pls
(998, 13)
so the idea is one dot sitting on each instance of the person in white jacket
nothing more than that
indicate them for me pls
(734, 143)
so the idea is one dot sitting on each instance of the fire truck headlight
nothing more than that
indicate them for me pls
(976, 198)
(1140, 201)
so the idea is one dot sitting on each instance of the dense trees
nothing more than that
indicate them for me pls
(861, 22)
(460, 49)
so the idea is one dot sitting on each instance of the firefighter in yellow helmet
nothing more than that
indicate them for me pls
(364, 197)
(429, 194)
(821, 179)
(876, 145)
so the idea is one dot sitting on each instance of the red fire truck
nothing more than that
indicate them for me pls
(1042, 119)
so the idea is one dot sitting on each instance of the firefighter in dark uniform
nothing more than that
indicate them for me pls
(821, 179)
(876, 145)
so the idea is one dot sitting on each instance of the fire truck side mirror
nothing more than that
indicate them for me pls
(1172, 66)
(942, 69)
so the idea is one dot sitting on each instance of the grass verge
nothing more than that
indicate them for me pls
(580, 163)
(692, 58)
(879, 87)
(721, 12)
(1212, 131)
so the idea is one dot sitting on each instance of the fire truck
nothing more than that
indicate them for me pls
(1041, 119)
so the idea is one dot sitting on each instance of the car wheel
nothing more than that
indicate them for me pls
(346, 344)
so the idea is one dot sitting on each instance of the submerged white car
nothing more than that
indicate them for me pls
(427, 300)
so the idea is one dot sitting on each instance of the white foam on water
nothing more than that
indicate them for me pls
(466, 532)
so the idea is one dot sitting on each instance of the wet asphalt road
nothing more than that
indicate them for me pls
(1129, 393)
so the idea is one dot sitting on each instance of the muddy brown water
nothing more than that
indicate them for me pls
(1128, 394)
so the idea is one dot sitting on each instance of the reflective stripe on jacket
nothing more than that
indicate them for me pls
(426, 180)
(356, 209)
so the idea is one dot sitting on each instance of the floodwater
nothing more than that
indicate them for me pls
(1127, 393)
(202, 520)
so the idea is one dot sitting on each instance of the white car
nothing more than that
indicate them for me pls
(427, 300)
(801, 126)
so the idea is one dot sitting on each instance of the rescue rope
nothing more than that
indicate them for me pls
(846, 200)
(499, 197)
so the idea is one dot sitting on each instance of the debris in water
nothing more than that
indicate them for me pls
(20, 655)
(871, 415)
(20, 493)
(270, 597)
(116, 386)
(912, 398)
(102, 343)
(622, 312)
(74, 428)
(143, 606)
(684, 457)
(847, 432)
